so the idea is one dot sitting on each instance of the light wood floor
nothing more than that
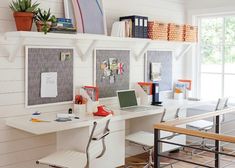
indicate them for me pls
(200, 159)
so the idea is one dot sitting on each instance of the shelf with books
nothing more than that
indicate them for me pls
(19, 39)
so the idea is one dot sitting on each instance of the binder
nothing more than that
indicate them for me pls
(135, 25)
(145, 29)
(141, 27)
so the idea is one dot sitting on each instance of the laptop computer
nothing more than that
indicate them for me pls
(128, 101)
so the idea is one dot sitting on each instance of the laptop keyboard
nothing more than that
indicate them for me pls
(139, 108)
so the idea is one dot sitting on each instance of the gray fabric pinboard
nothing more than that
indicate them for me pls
(48, 60)
(165, 58)
(121, 82)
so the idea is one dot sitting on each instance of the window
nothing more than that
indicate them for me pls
(217, 61)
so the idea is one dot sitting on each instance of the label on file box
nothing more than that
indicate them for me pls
(145, 23)
(145, 31)
(136, 22)
(141, 22)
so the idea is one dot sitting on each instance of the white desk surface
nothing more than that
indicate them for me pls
(24, 123)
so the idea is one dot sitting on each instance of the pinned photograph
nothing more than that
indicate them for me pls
(104, 65)
(155, 71)
(113, 63)
(120, 68)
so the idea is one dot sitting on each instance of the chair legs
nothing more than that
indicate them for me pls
(150, 163)
(203, 145)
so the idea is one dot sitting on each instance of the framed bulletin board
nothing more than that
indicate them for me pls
(111, 71)
(164, 59)
(49, 75)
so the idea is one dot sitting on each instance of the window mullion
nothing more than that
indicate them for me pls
(223, 58)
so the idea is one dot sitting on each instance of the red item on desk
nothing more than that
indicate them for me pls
(103, 111)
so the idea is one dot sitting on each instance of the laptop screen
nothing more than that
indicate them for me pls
(127, 98)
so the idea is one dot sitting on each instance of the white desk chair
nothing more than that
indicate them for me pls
(76, 159)
(204, 125)
(146, 140)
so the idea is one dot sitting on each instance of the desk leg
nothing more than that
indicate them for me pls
(156, 148)
(217, 143)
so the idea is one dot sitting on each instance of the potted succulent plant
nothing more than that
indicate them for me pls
(23, 13)
(44, 20)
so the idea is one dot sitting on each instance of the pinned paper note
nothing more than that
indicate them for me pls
(49, 84)
(155, 71)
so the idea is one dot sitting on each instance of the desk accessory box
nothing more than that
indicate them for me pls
(191, 33)
(144, 92)
(91, 105)
(157, 30)
(175, 32)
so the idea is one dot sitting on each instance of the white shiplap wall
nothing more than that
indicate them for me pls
(19, 149)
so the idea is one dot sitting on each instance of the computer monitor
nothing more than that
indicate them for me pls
(127, 98)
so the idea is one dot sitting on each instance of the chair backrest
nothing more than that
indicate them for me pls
(167, 117)
(96, 146)
(221, 104)
(170, 116)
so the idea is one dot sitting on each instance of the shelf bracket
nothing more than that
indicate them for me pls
(143, 51)
(184, 51)
(18, 46)
(88, 51)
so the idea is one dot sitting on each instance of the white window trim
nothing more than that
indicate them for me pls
(196, 58)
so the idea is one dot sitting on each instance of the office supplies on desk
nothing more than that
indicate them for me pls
(64, 115)
(36, 113)
(188, 86)
(103, 111)
(128, 101)
(93, 92)
(63, 119)
(91, 106)
(180, 90)
(70, 111)
(146, 86)
(144, 92)
(35, 120)
(155, 100)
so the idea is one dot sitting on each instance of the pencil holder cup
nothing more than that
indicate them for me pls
(80, 109)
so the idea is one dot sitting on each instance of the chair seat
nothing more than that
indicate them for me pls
(142, 138)
(201, 124)
(65, 159)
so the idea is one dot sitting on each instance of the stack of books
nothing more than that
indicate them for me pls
(63, 25)
(119, 29)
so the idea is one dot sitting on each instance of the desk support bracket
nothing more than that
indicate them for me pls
(184, 51)
(18, 46)
(143, 51)
(88, 51)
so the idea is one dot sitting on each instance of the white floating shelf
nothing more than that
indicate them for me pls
(19, 37)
